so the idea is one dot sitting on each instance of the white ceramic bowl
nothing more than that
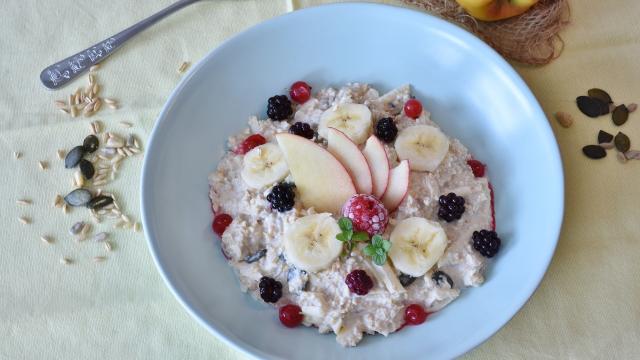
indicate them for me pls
(472, 93)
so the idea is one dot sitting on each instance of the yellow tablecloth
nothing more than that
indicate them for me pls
(588, 306)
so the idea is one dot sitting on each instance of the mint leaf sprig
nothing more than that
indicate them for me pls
(378, 249)
(348, 236)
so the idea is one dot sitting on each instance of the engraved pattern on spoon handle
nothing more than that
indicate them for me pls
(62, 72)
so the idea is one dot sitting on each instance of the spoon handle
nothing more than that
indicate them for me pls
(62, 72)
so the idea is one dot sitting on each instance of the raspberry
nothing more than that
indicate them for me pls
(486, 242)
(414, 314)
(220, 223)
(270, 289)
(413, 108)
(300, 92)
(367, 214)
(291, 315)
(359, 282)
(477, 167)
(250, 143)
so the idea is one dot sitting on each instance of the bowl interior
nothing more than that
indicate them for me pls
(472, 93)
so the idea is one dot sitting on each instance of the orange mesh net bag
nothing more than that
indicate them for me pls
(531, 38)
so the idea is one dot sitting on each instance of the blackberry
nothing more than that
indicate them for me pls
(486, 242)
(270, 289)
(359, 282)
(405, 279)
(451, 207)
(386, 130)
(440, 277)
(282, 197)
(279, 107)
(302, 129)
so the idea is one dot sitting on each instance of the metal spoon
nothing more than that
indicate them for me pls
(60, 73)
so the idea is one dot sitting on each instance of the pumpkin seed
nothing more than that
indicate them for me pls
(623, 144)
(256, 256)
(594, 151)
(90, 143)
(78, 197)
(620, 115)
(604, 137)
(73, 157)
(592, 107)
(600, 95)
(99, 202)
(87, 169)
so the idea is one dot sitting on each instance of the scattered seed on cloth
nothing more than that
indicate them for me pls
(600, 95)
(608, 145)
(99, 202)
(564, 119)
(24, 220)
(620, 115)
(623, 144)
(87, 169)
(592, 107)
(74, 156)
(23, 202)
(604, 137)
(99, 237)
(76, 228)
(78, 197)
(632, 107)
(594, 151)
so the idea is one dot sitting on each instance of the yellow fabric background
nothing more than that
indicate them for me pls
(588, 305)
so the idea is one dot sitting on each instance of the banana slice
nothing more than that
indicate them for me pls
(423, 145)
(310, 242)
(352, 119)
(264, 165)
(416, 245)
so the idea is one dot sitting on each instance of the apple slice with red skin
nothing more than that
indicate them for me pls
(398, 186)
(321, 180)
(378, 162)
(348, 153)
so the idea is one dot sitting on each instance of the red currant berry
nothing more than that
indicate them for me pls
(414, 314)
(413, 108)
(291, 315)
(300, 92)
(220, 223)
(477, 167)
(249, 143)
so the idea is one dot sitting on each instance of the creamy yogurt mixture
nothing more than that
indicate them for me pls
(253, 242)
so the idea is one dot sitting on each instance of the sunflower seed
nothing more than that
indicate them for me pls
(97, 105)
(77, 97)
(74, 156)
(76, 228)
(60, 104)
(92, 79)
(57, 202)
(24, 220)
(108, 246)
(109, 101)
(43, 165)
(620, 115)
(66, 261)
(74, 111)
(115, 142)
(622, 142)
(125, 218)
(121, 152)
(99, 202)
(592, 107)
(119, 225)
(65, 208)
(594, 151)
(23, 202)
(607, 145)
(96, 89)
(99, 183)
(125, 124)
(632, 107)
(78, 179)
(604, 137)
(101, 236)
(600, 95)
(113, 106)
(183, 67)
(46, 239)
(78, 197)
(564, 119)
(621, 157)
(135, 143)
(108, 151)
(94, 68)
(17, 154)
(87, 169)
(65, 111)
(632, 154)
(137, 227)
(99, 259)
